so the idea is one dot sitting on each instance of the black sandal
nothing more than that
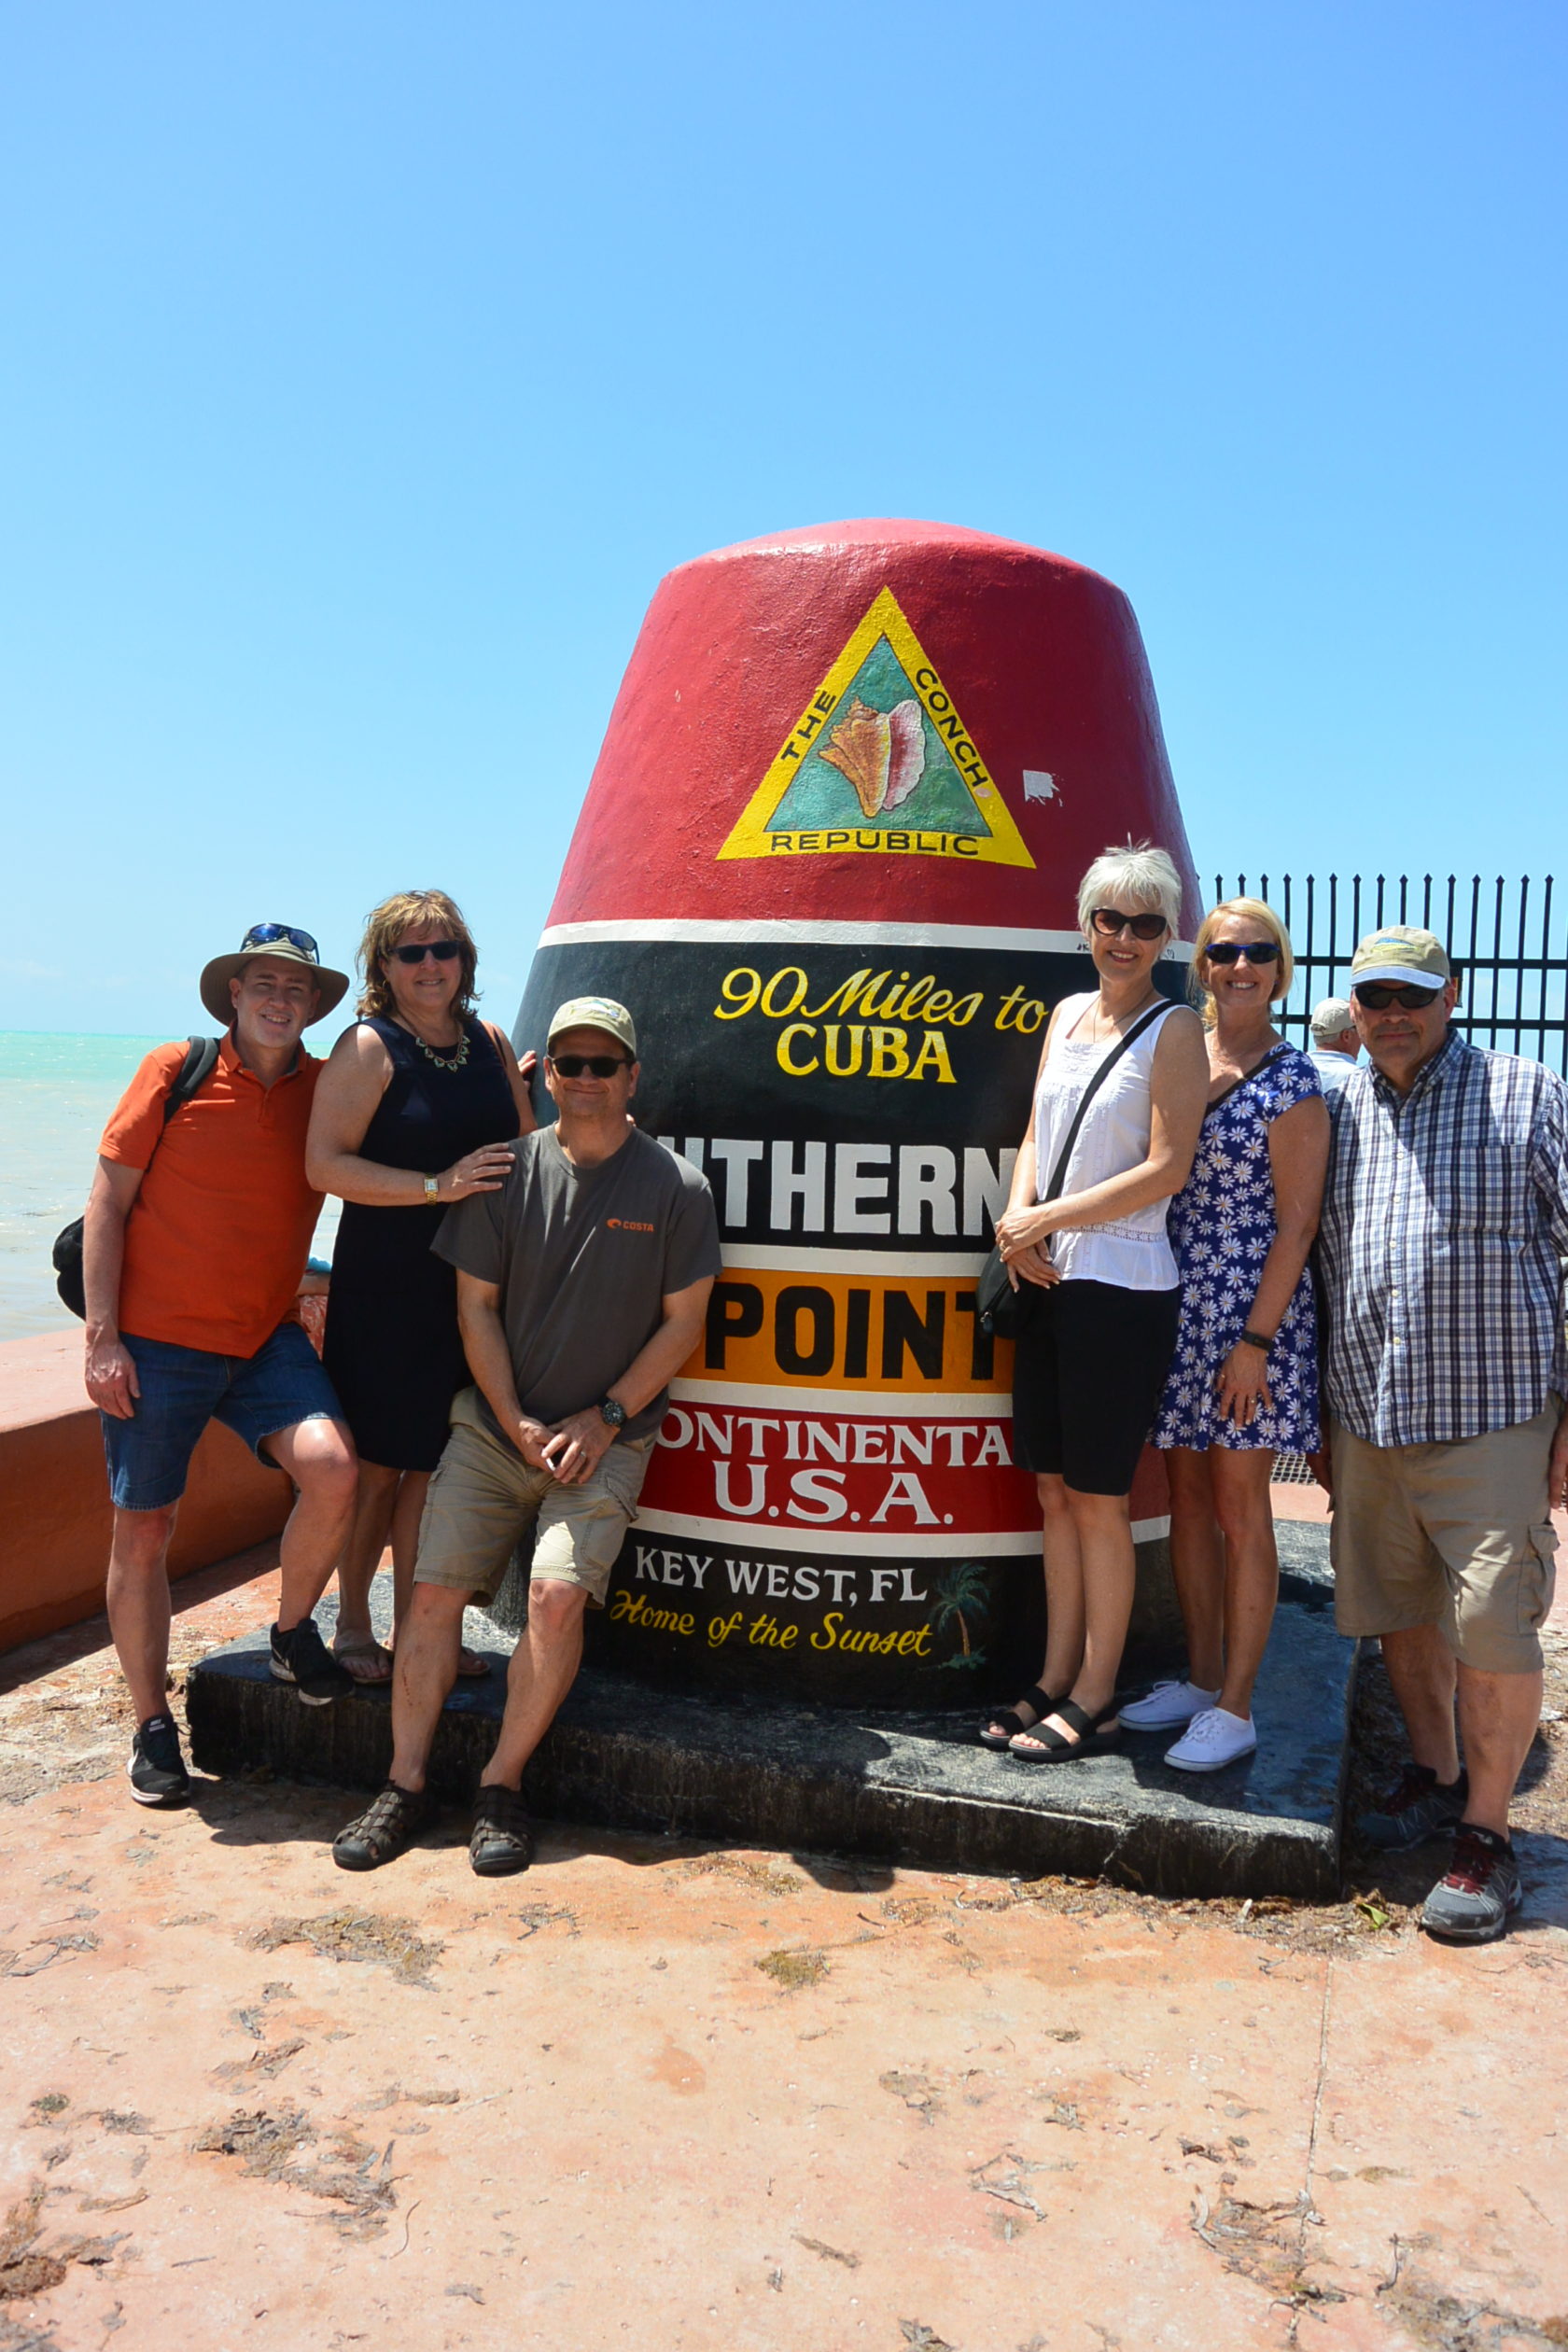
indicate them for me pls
(1054, 1749)
(388, 1825)
(503, 1834)
(1040, 1700)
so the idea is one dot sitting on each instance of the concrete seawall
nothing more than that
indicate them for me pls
(54, 1496)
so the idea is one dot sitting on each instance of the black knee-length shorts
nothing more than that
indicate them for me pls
(1091, 1366)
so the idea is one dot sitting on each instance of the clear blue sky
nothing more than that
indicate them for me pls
(362, 368)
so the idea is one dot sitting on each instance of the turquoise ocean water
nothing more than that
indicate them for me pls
(56, 1092)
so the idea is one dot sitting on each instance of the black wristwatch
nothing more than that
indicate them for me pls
(1256, 1339)
(615, 1415)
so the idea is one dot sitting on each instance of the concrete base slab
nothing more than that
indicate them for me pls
(914, 1788)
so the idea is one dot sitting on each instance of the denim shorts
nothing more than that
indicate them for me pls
(184, 1388)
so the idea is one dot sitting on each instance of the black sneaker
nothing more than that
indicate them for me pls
(301, 1657)
(1418, 1808)
(391, 1822)
(157, 1768)
(1471, 1902)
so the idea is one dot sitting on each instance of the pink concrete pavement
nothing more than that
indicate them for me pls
(658, 2096)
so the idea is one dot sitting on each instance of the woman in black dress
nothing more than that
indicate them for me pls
(415, 1109)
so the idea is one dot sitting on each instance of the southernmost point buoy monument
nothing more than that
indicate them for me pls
(829, 857)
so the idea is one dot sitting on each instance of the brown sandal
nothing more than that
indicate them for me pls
(502, 1840)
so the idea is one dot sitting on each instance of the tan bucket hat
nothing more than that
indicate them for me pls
(289, 945)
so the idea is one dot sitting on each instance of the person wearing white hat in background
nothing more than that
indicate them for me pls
(1445, 1227)
(1336, 1044)
(195, 1244)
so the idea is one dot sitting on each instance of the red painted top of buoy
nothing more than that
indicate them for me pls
(974, 715)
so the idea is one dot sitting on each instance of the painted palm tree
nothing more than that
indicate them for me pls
(962, 1592)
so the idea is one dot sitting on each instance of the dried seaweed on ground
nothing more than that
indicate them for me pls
(266, 2143)
(1266, 2244)
(395, 2096)
(34, 1958)
(23, 2269)
(349, 1935)
(1443, 2322)
(27, 2268)
(916, 2090)
(793, 1969)
(266, 2062)
(531, 1917)
(826, 2253)
(367, 2190)
(766, 1878)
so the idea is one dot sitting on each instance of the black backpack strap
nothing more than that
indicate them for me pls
(1123, 1046)
(201, 1061)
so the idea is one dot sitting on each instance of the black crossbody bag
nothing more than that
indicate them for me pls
(1003, 1311)
(201, 1058)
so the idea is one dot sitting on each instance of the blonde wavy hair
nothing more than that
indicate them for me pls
(385, 925)
(1251, 910)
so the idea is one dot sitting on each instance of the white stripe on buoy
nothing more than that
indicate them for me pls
(1011, 1544)
(782, 931)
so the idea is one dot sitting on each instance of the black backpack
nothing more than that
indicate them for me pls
(201, 1059)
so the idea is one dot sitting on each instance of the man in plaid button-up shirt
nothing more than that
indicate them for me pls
(1445, 1226)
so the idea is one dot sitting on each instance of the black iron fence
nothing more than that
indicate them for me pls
(1507, 940)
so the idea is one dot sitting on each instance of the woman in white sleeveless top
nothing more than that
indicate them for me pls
(1096, 1343)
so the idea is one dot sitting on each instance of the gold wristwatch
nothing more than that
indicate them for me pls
(432, 1191)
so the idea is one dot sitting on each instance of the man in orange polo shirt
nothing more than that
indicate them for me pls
(195, 1240)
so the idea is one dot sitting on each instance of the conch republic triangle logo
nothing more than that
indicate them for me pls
(880, 763)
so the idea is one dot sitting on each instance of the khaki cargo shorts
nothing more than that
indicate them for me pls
(1456, 1535)
(483, 1496)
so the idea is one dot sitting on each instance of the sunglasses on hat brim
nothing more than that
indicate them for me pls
(273, 934)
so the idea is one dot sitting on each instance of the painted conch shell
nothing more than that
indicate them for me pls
(882, 752)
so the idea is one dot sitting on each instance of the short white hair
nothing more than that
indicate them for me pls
(1136, 871)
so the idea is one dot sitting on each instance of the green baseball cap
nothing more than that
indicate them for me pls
(1403, 953)
(600, 1013)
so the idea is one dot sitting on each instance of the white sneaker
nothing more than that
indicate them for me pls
(1211, 1741)
(1168, 1707)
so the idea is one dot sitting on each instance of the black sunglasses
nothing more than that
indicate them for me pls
(1229, 951)
(589, 1065)
(1378, 995)
(267, 934)
(442, 949)
(1110, 924)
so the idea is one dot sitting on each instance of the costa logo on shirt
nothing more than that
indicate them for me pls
(628, 1224)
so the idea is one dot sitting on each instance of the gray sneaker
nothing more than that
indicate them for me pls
(1418, 1808)
(1470, 1904)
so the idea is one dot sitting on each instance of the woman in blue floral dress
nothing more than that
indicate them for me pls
(1243, 1383)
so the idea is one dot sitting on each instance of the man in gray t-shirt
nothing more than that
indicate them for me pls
(582, 1282)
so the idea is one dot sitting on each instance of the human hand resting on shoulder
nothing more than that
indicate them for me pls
(482, 1171)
